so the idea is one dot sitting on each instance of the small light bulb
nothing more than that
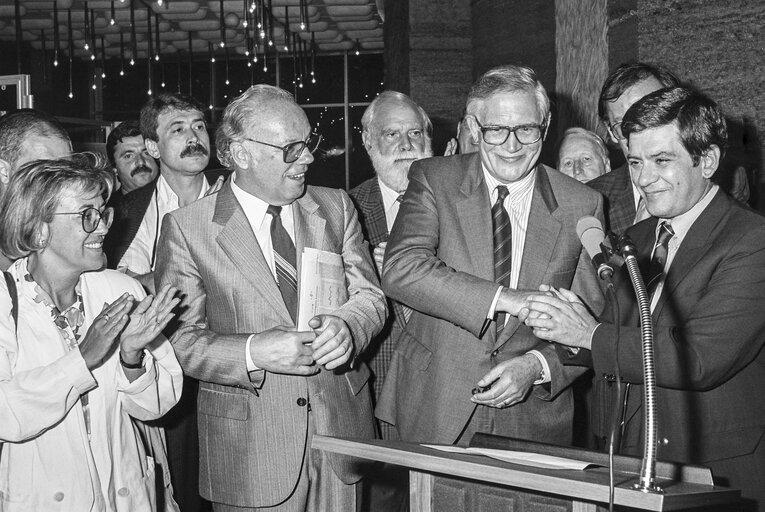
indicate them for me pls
(156, 58)
(249, 64)
(87, 46)
(212, 59)
(93, 57)
(122, 73)
(222, 44)
(112, 22)
(313, 80)
(227, 82)
(162, 85)
(55, 62)
(211, 107)
(244, 23)
(132, 62)
(255, 58)
(103, 75)
(149, 92)
(71, 95)
(302, 26)
(159, 3)
(93, 87)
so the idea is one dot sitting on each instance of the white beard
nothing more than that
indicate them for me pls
(395, 173)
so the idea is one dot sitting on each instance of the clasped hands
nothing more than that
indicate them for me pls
(559, 316)
(282, 349)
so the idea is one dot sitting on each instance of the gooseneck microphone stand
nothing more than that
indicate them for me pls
(648, 470)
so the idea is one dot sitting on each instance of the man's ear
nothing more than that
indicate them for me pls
(365, 140)
(152, 148)
(240, 157)
(475, 130)
(5, 172)
(710, 161)
(547, 125)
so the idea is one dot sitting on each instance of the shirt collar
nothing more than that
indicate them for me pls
(683, 222)
(254, 208)
(516, 189)
(165, 194)
(389, 196)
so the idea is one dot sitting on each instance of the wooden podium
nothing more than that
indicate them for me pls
(441, 481)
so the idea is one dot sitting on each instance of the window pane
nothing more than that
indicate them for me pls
(328, 168)
(365, 76)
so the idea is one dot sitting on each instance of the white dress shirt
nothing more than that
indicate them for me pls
(390, 203)
(518, 206)
(139, 257)
(255, 210)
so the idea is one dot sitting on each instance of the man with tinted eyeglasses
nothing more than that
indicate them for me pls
(475, 235)
(266, 387)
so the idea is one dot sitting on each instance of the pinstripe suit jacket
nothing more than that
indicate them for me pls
(369, 202)
(616, 187)
(252, 439)
(439, 261)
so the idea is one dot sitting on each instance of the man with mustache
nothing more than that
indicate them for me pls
(133, 166)
(175, 133)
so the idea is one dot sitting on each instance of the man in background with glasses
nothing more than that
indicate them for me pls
(475, 235)
(265, 387)
(624, 87)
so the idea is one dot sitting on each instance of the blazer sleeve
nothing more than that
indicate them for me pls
(204, 354)
(720, 334)
(366, 309)
(413, 273)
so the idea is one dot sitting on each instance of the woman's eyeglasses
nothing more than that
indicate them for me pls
(92, 217)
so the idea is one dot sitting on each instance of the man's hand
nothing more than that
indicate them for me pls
(378, 254)
(333, 345)
(561, 318)
(283, 350)
(451, 147)
(510, 381)
(512, 301)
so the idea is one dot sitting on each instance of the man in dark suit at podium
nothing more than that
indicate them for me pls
(702, 255)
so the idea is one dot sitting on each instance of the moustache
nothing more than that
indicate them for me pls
(140, 169)
(194, 149)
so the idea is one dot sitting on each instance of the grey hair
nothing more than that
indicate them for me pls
(594, 137)
(34, 192)
(368, 119)
(241, 113)
(508, 78)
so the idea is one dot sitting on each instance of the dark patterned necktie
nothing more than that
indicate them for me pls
(400, 198)
(659, 257)
(503, 246)
(285, 260)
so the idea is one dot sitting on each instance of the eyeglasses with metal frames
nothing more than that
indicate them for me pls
(497, 135)
(293, 150)
(92, 217)
(616, 131)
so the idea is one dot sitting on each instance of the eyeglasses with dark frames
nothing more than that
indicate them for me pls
(92, 217)
(293, 150)
(497, 135)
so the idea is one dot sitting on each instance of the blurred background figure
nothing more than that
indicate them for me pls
(464, 142)
(25, 135)
(81, 350)
(583, 155)
(133, 166)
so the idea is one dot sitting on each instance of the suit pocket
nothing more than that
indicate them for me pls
(357, 377)
(414, 351)
(223, 405)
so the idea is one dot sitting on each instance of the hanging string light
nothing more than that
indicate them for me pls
(357, 47)
(133, 38)
(150, 52)
(270, 23)
(245, 14)
(93, 34)
(303, 15)
(156, 36)
(179, 73)
(56, 34)
(212, 52)
(122, 54)
(191, 65)
(262, 21)
(222, 27)
(112, 21)
(286, 29)
(71, 51)
(162, 70)
(86, 46)
(313, 57)
(226, 56)
(103, 59)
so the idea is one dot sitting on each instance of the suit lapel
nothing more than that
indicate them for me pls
(542, 233)
(238, 242)
(695, 244)
(375, 212)
(474, 214)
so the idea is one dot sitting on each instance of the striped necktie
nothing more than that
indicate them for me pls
(659, 257)
(503, 246)
(285, 260)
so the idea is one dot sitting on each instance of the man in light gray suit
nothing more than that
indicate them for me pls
(474, 236)
(266, 388)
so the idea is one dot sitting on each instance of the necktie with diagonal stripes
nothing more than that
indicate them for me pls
(503, 246)
(285, 259)
(659, 257)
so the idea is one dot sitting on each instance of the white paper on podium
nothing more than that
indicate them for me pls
(525, 458)
(322, 285)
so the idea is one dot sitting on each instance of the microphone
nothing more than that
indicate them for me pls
(590, 232)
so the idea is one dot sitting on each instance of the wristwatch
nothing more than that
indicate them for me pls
(133, 366)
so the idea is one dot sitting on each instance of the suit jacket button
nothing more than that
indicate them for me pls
(59, 496)
(301, 402)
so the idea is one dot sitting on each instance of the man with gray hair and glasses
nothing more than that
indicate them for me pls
(475, 235)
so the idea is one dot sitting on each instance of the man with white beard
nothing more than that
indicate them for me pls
(396, 132)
